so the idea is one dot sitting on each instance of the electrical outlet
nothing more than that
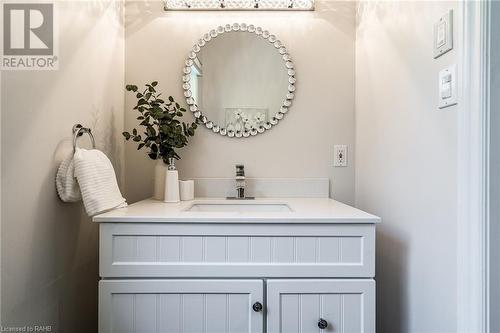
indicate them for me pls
(340, 158)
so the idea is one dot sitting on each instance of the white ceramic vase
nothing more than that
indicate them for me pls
(159, 180)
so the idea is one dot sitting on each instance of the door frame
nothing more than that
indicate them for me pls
(473, 171)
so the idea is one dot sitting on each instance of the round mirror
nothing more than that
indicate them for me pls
(239, 80)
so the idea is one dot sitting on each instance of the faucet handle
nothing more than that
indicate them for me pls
(240, 170)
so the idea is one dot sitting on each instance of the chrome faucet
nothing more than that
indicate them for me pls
(240, 181)
(240, 184)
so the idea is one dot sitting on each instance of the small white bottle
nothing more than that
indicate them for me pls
(171, 183)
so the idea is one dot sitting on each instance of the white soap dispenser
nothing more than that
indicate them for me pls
(171, 183)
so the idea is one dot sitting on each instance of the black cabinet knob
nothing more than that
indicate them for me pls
(322, 324)
(257, 306)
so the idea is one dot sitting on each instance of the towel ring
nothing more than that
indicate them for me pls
(78, 131)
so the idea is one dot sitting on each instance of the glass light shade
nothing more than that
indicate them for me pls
(239, 4)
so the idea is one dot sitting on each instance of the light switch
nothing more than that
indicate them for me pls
(446, 86)
(448, 93)
(443, 35)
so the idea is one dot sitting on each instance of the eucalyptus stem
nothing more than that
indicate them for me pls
(163, 132)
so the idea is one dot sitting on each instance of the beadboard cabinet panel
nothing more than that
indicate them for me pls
(298, 306)
(180, 306)
(187, 250)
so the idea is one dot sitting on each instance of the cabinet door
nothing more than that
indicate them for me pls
(180, 306)
(306, 306)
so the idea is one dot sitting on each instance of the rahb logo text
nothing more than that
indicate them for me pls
(29, 37)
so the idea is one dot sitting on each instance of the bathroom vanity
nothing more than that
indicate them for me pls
(237, 266)
(301, 264)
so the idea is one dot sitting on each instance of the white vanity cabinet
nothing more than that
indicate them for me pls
(329, 305)
(203, 273)
(174, 306)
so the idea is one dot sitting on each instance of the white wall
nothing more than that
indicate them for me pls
(406, 165)
(495, 170)
(322, 46)
(49, 248)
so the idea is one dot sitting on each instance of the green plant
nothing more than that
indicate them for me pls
(163, 132)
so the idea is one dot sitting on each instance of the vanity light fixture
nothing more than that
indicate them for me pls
(239, 4)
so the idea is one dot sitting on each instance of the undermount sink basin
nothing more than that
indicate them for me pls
(240, 207)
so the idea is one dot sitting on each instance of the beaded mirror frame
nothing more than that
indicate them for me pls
(287, 61)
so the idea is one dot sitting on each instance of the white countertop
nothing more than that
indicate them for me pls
(304, 210)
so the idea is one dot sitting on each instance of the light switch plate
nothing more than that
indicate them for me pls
(443, 34)
(448, 92)
(340, 156)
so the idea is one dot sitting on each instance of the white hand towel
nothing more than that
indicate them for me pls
(66, 184)
(97, 180)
